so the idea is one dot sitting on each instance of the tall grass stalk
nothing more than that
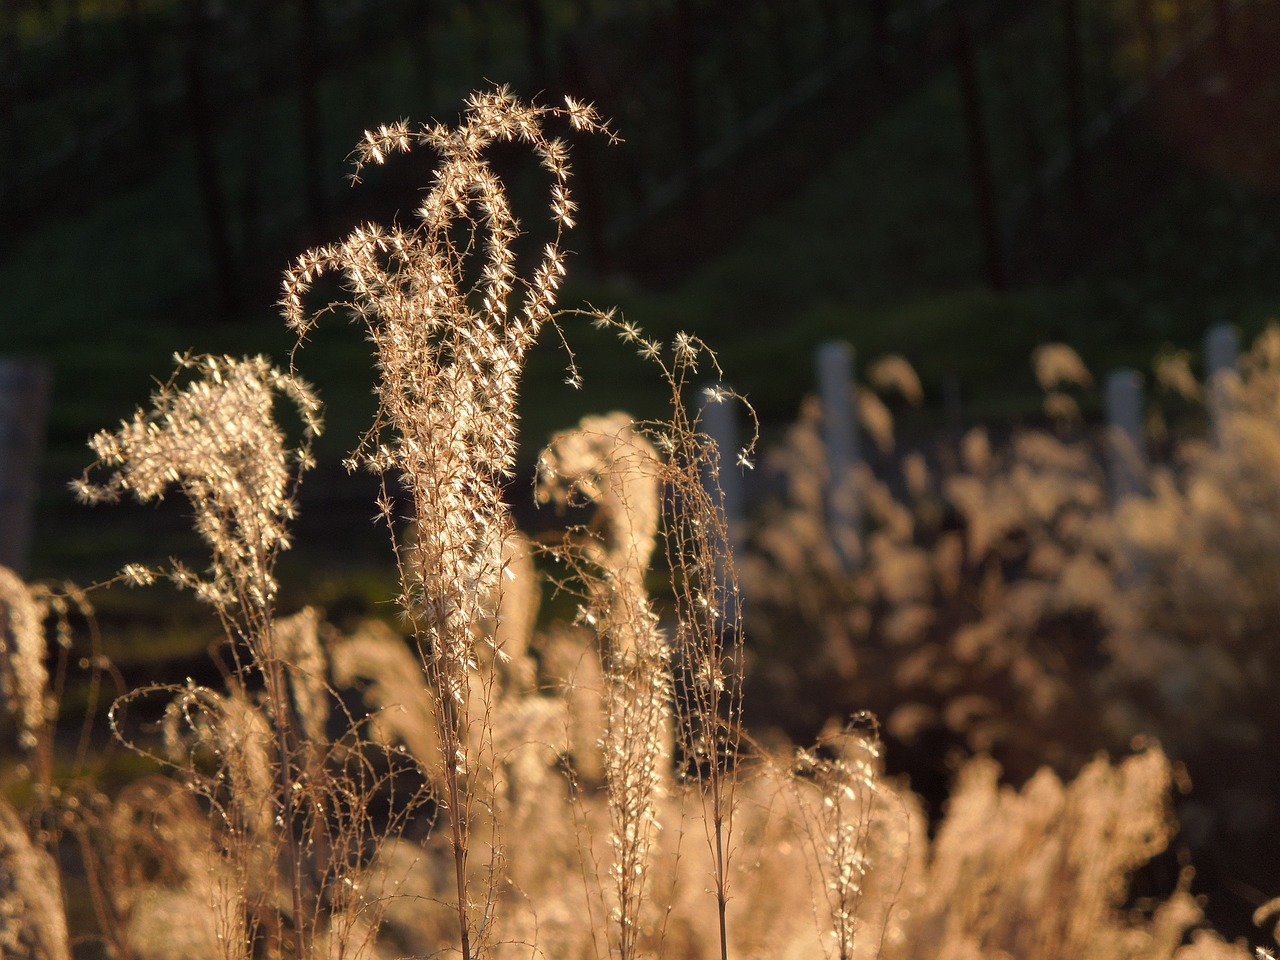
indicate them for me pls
(450, 351)
(607, 462)
(215, 438)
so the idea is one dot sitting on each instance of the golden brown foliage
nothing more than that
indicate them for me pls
(509, 791)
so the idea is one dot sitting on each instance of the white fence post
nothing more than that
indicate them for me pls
(1126, 449)
(24, 389)
(1221, 351)
(840, 437)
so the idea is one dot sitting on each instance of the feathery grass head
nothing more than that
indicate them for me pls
(32, 918)
(24, 678)
(214, 437)
(451, 343)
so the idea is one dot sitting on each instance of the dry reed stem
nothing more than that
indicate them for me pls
(450, 352)
(605, 462)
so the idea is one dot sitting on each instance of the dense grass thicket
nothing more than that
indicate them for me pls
(480, 780)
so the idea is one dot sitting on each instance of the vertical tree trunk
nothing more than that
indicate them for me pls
(778, 16)
(1183, 19)
(200, 111)
(687, 98)
(1222, 10)
(1150, 34)
(309, 32)
(879, 29)
(832, 23)
(257, 31)
(73, 38)
(984, 195)
(138, 27)
(10, 62)
(1017, 68)
(1073, 79)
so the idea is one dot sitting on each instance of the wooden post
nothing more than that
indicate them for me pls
(719, 422)
(24, 389)
(1221, 351)
(984, 195)
(840, 438)
(1127, 462)
(1126, 451)
(723, 482)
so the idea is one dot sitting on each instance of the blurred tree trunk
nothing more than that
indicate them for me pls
(980, 173)
(257, 31)
(138, 27)
(1150, 34)
(1016, 65)
(687, 98)
(1184, 20)
(10, 62)
(1073, 80)
(832, 24)
(200, 112)
(879, 29)
(309, 34)
(1222, 10)
(778, 16)
(73, 39)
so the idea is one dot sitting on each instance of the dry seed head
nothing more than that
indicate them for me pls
(606, 461)
(894, 372)
(1173, 372)
(240, 738)
(30, 889)
(876, 418)
(24, 679)
(297, 645)
(403, 710)
(215, 438)
(450, 351)
(1057, 364)
(1061, 408)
